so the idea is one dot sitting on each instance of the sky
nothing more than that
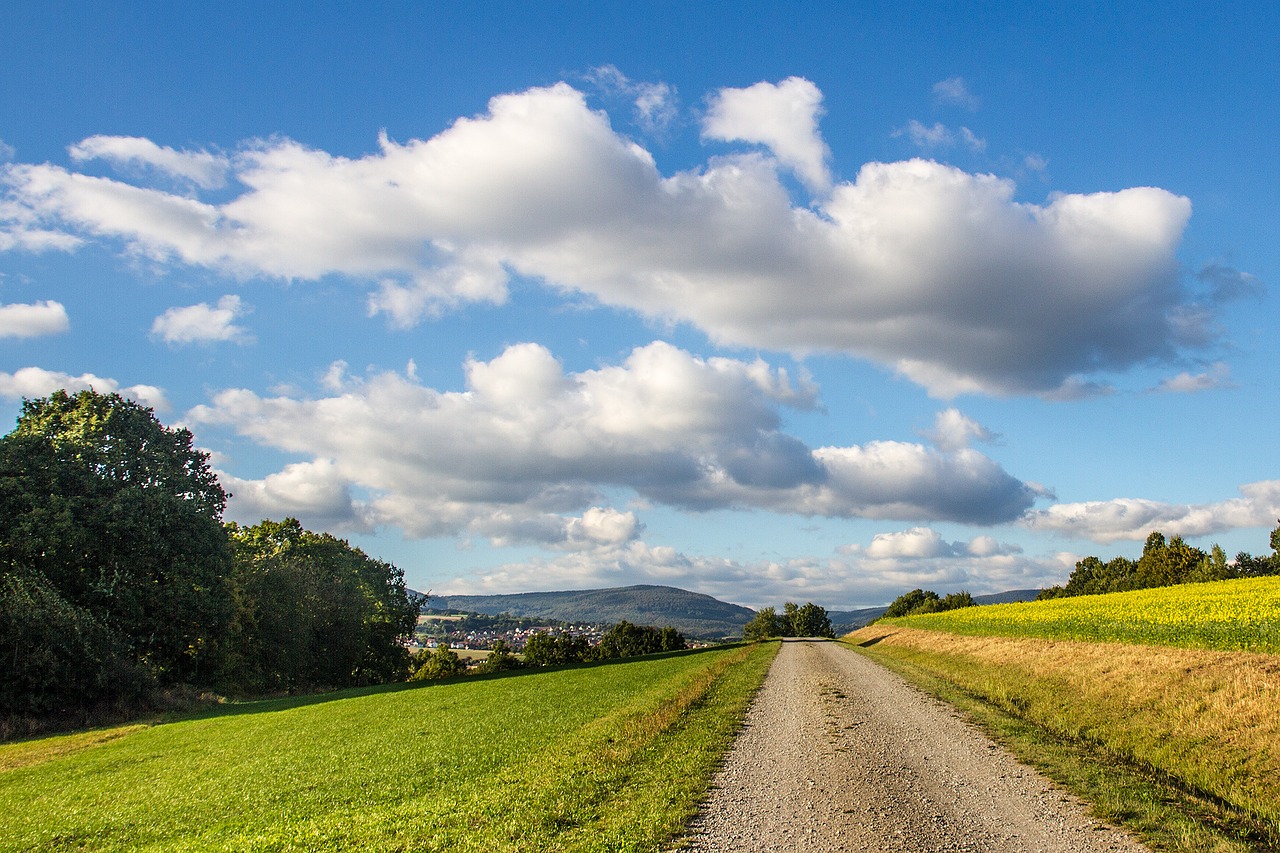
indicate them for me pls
(810, 302)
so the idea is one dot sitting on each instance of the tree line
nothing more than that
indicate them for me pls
(807, 620)
(119, 579)
(927, 601)
(1164, 562)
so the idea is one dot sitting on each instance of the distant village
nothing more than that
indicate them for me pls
(478, 632)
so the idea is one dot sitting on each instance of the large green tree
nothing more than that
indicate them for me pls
(312, 611)
(109, 512)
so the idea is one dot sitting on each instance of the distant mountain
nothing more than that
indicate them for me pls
(691, 613)
(844, 621)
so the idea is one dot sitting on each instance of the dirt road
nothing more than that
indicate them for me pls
(840, 754)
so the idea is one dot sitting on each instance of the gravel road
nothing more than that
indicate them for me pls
(840, 754)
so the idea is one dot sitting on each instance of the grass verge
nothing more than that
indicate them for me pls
(1180, 746)
(608, 757)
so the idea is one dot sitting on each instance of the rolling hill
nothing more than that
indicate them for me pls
(691, 613)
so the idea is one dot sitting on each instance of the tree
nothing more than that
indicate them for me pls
(442, 663)
(808, 620)
(121, 518)
(910, 602)
(500, 659)
(763, 625)
(927, 601)
(626, 640)
(312, 611)
(1166, 563)
(542, 649)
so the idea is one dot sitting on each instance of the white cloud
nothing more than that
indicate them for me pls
(933, 271)
(938, 135)
(32, 382)
(205, 170)
(202, 323)
(1217, 376)
(45, 317)
(7, 151)
(1134, 518)
(655, 106)
(926, 137)
(313, 492)
(526, 443)
(953, 430)
(954, 91)
(783, 117)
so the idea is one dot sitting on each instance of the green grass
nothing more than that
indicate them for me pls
(1232, 615)
(594, 758)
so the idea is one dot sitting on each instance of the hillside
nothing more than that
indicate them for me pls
(691, 613)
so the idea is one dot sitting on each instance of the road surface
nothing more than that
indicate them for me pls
(840, 754)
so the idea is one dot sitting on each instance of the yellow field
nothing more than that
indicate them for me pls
(1240, 615)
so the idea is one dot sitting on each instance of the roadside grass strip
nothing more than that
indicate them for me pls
(1231, 615)
(1180, 745)
(607, 757)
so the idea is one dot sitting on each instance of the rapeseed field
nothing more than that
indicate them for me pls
(1231, 615)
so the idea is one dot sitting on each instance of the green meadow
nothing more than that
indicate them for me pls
(605, 757)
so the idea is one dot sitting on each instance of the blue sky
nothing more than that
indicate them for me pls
(770, 303)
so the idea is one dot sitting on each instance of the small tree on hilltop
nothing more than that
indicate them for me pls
(763, 625)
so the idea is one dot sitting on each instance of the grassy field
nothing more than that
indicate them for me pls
(1181, 744)
(609, 757)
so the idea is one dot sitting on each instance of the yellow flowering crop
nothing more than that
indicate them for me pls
(1242, 614)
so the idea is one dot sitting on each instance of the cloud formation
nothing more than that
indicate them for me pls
(202, 323)
(1134, 518)
(34, 320)
(954, 91)
(783, 117)
(205, 170)
(526, 443)
(939, 273)
(32, 382)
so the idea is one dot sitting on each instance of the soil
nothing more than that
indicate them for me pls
(838, 753)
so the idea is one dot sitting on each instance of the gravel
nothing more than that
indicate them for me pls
(838, 753)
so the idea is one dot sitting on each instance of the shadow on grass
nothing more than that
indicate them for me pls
(866, 644)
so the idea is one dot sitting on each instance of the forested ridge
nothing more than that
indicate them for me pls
(119, 580)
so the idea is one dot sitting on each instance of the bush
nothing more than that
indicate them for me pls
(500, 659)
(59, 658)
(442, 663)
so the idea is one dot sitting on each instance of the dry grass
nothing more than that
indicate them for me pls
(1206, 721)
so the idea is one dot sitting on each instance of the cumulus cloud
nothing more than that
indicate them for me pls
(954, 91)
(953, 430)
(1134, 518)
(202, 323)
(939, 135)
(783, 117)
(655, 106)
(527, 442)
(1217, 376)
(205, 170)
(313, 492)
(32, 382)
(33, 320)
(936, 272)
